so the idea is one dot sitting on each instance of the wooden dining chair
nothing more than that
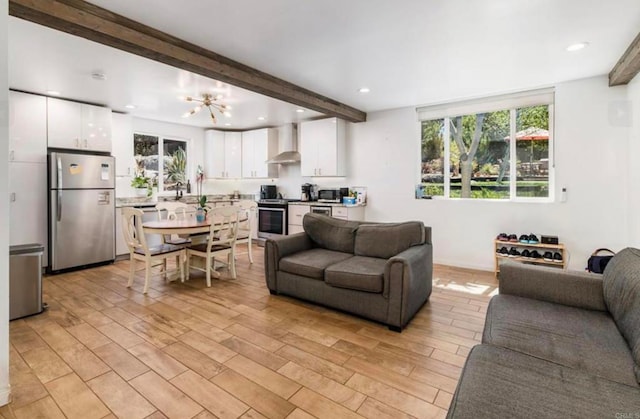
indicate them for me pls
(221, 242)
(139, 250)
(245, 224)
(174, 211)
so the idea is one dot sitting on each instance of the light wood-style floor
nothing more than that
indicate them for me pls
(233, 350)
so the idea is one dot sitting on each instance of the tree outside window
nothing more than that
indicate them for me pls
(147, 150)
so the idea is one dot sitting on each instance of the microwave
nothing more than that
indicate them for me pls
(332, 194)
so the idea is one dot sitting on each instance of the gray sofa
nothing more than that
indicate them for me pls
(557, 344)
(379, 271)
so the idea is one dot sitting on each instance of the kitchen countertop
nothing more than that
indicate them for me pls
(326, 204)
(190, 199)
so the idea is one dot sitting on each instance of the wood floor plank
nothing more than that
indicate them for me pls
(268, 379)
(373, 409)
(321, 407)
(44, 408)
(152, 334)
(157, 360)
(314, 348)
(120, 334)
(194, 360)
(84, 362)
(46, 364)
(259, 398)
(300, 414)
(88, 335)
(75, 399)
(389, 360)
(210, 396)
(254, 337)
(255, 353)
(207, 346)
(319, 365)
(121, 361)
(25, 339)
(443, 399)
(165, 396)
(394, 397)
(323, 385)
(120, 397)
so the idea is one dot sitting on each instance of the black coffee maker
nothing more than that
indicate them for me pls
(268, 192)
(309, 192)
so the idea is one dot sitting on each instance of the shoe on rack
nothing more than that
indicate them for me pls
(533, 239)
(503, 251)
(524, 239)
(548, 256)
(557, 257)
(535, 254)
(502, 237)
(514, 253)
(513, 238)
(526, 254)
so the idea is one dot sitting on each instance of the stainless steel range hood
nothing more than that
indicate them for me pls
(287, 145)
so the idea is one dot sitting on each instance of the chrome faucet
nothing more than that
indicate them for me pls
(178, 191)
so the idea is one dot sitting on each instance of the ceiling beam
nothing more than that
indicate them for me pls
(86, 20)
(627, 66)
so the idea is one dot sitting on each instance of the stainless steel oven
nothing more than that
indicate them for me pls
(272, 218)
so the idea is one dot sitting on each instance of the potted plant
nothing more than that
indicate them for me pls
(142, 184)
(201, 212)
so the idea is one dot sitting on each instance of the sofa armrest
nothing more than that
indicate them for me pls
(408, 282)
(276, 249)
(576, 289)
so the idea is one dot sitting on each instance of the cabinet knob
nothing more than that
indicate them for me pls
(77, 142)
(13, 197)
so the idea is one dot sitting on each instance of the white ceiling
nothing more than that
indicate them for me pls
(408, 52)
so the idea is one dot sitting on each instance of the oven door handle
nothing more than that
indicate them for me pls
(271, 209)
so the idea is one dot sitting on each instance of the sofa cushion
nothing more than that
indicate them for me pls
(330, 233)
(584, 339)
(500, 383)
(357, 273)
(387, 240)
(621, 286)
(311, 263)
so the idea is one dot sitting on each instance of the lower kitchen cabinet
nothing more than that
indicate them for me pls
(296, 214)
(348, 213)
(28, 205)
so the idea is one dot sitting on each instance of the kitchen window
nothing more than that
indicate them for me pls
(467, 149)
(167, 171)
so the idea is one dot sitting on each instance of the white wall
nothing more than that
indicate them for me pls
(591, 162)
(632, 111)
(4, 210)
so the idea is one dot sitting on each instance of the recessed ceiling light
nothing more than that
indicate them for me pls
(577, 47)
(130, 106)
(228, 124)
(227, 114)
(299, 110)
(261, 118)
(364, 90)
(219, 96)
(53, 92)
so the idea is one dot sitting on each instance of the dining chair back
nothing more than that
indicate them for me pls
(139, 250)
(246, 223)
(174, 211)
(223, 233)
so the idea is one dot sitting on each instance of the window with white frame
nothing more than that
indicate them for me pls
(164, 172)
(468, 151)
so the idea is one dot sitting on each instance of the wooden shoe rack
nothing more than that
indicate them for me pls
(498, 244)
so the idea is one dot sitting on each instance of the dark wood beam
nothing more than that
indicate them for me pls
(88, 21)
(627, 66)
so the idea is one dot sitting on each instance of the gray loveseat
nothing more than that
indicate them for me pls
(557, 345)
(379, 271)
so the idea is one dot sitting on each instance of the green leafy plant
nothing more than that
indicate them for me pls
(176, 168)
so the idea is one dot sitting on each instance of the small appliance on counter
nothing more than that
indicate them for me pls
(361, 194)
(334, 195)
(309, 192)
(268, 192)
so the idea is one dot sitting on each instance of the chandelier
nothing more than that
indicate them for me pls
(210, 102)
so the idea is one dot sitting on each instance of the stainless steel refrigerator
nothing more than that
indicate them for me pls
(81, 210)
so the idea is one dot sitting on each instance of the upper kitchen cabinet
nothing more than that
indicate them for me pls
(78, 126)
(122, 134)
(258, 146)
(223, 154)
(27, 128)
(323, 147)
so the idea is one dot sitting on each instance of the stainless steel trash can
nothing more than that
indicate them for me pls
(25, 280)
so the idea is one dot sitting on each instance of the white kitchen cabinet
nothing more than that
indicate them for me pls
(27, 127)
(296, 214)
(122, 141)
(121, 244)
(258, 146)
(323, 147)
(28, 204)
(223, 154)
(74, 125)
(348, 213)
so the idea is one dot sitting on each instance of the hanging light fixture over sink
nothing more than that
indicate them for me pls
(210, 102)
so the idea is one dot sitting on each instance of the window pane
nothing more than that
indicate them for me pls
(479, 156)
(432, 165)
(145, 150)
(174, 163)
(532, 151)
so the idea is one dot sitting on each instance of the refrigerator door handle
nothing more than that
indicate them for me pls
(59, 210)
(59, 167)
